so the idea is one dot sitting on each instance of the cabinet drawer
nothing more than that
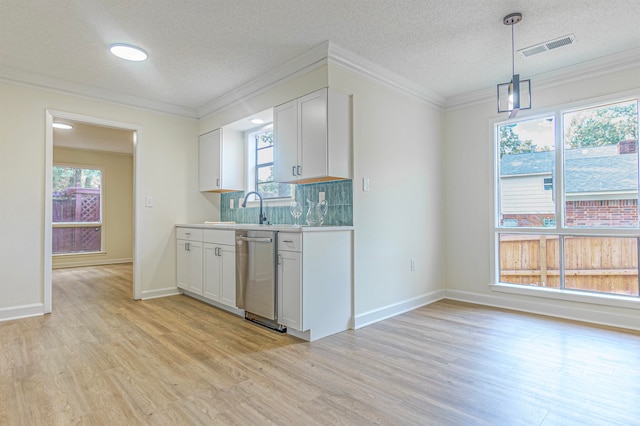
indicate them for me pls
(289, 241)
(189, 234)
(220, 236)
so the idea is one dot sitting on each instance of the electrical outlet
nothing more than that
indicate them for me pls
(231, 200)
(148, 201)
(365, 184)
(321, 196)
(413, 264)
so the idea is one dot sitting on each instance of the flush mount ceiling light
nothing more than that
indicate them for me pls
(63, 126)
(516, 94)
(256, 121)
(128, 52)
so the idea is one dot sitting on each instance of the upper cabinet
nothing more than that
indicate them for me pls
(312, 138)
(221, 160)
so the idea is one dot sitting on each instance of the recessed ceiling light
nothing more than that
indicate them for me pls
(64, 126)
(128, 52)
(256, 121)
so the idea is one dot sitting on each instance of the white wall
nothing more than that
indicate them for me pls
(167, 159)
(397, 146)
(468, 152)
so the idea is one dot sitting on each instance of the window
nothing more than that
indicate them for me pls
(77, 210)
(261, 153)
(586, 224)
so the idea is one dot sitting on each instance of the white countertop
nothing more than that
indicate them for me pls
(251, 226)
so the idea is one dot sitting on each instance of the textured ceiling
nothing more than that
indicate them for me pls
(202, 49)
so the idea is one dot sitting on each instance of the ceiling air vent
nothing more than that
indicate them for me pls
(547, 45)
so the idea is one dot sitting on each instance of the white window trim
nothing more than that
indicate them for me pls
(100, 224)
(606, 299)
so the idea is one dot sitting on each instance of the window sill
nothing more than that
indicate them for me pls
(88, 253)
(618, 301)
(281, 202)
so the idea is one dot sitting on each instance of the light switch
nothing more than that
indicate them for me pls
(365, 184)
(148, 201)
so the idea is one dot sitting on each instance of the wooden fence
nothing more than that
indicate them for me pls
(603, 264)
(76, 205)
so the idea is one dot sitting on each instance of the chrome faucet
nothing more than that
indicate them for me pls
(262, 218)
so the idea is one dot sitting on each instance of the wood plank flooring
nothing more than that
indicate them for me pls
(102, 358)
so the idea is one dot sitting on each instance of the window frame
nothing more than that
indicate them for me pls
(560, 230)
(251, 159)
(99, 224)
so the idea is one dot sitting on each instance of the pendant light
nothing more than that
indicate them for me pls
(516, 94)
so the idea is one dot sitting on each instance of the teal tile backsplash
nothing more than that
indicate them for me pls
(339, 196)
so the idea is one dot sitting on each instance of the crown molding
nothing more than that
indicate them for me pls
(304, 63)
(350, 60)
(601, 66)
(67, 87)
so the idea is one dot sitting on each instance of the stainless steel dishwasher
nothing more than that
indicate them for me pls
(256, 285)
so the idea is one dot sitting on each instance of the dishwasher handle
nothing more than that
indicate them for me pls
(255, 239)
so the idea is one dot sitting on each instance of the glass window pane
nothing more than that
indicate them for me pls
(76, 195)
(275, 190)
(76, 240)
(526, 170)
(529, 260)
(601, 264)
(264, 139)
(265, 174)
(265, 156)
(601, 166)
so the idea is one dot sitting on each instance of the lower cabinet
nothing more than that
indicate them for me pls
(290, 289)
(220, 273)
(206, 264)
(314, 282)
(189, 261)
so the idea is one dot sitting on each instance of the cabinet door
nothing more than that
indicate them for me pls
(313, 134)
(211, 272)
(182, 264)
(285, 118)
(195, 267)
(209, 159)
(290, 289)
(228, 275)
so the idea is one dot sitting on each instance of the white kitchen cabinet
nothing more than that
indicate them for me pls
(312, 138)
(290, 281)
(314, 283)
(221, 161)
(189, 252)
(220, 266)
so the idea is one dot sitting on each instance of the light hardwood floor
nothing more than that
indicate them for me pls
(102, 358)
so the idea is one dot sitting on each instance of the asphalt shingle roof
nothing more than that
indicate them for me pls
(599, 169)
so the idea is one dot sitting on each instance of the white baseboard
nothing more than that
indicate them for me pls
(24, 311)
(80, 263)
(161, 292)
(380, 314)
(565, 310)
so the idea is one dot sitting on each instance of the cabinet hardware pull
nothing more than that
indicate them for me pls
(279, 259)
(299, 170)
(217, 182)
(186, 246)
(287, 241)
(293, 170)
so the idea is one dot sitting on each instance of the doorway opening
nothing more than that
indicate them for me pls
(90, 209)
